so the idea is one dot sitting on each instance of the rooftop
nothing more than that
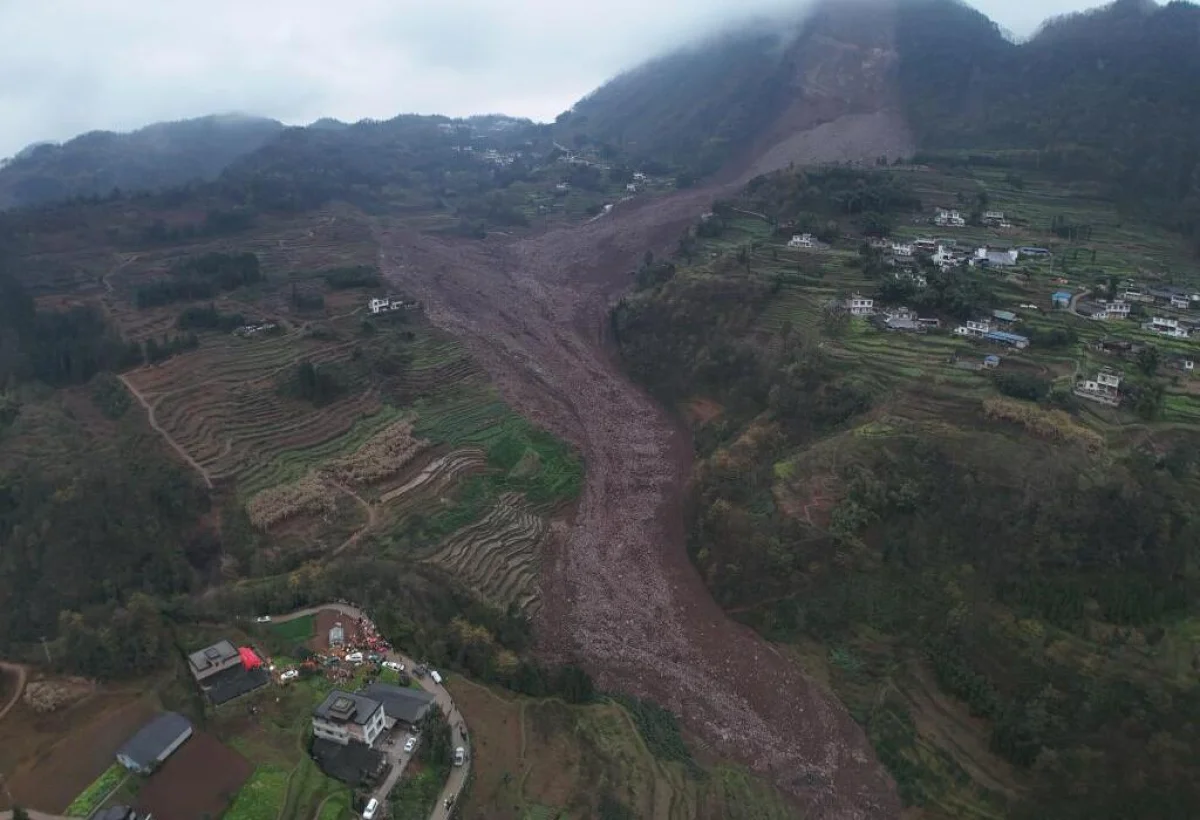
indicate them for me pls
(1004, 336)
(212, 656)
(155, 737)
(234, 682)
(347, 707)
(354, 764)
(408, 705)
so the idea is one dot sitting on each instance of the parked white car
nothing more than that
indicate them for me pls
(354, 657)
(437, 678)
(372, 807)
(395, 666)
(410, 744)
(291, 674)
(263, 619)
(460, 756)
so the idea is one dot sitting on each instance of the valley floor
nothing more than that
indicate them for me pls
(619, 591)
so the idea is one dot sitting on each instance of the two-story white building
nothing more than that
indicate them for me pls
(1166, 327)
(949, 219)
(345, 717)
(859, 305)
(1116, 309)
(902, 249)
(974, 327)
(801, 240)
(1104, 389)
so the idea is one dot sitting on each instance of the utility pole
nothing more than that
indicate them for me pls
(46, 647)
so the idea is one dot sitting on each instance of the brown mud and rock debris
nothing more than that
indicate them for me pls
(620, 594)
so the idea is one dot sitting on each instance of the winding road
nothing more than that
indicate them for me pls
(458, 727)
(620, 594)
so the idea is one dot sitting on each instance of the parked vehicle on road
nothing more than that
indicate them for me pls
(372, 807)
(460, 756)
(433, 673)
(354, 657)
(395, 666)
(290, 674)
(263, 619)
(410, 744)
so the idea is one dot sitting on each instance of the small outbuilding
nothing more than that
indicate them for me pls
(154, 742)
(1061, 299)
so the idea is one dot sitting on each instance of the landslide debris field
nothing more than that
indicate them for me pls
(619, 591)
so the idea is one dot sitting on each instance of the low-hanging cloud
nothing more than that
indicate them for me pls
(69, 66)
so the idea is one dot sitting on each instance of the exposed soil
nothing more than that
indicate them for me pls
(324, 621)
(63, 752)
(195, 782)
(621, 595)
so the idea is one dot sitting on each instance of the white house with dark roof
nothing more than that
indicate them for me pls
(212, 660)
(345, 717)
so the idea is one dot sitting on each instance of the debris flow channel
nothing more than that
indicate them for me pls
(620, 595)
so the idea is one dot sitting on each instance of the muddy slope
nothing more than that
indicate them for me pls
(621, 595)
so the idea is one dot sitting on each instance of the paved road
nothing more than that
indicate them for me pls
(458, 726)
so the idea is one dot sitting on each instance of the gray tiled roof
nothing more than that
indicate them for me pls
(155, 737)
(408, 705)
(346, 707)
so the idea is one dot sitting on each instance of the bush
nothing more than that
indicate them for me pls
(110, 395)
(1022, 385)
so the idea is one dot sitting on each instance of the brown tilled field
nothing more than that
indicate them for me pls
(196, 782)
(52, 758)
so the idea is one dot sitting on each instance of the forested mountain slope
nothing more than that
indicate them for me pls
(1110, 95)
(996, 576)
(157, 156)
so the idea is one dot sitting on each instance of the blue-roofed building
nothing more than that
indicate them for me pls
(1010, 339)
(991, 361)
(1061, 299)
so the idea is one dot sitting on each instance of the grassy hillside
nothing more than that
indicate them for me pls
(549, 760)
(989, 571)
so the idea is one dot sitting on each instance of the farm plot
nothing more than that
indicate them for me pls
(223, 407)
(498, 555)
(69, 751)
(196, 782)
(546, 759)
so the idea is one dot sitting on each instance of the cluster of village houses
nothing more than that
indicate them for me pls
(353, 731)
(1104, 387)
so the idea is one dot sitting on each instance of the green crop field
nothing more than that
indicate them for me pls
(91, 797)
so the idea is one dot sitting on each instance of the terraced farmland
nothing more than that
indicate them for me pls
(223, 407)
(498, 555)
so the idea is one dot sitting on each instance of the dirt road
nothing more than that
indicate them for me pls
(20, 673)
(621, 595)
(137, 394)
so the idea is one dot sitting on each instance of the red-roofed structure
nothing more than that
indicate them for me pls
(249, 659)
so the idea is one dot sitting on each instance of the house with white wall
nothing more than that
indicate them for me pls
(347, 717)
(859, 305)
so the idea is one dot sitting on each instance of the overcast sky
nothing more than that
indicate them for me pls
(69, 66)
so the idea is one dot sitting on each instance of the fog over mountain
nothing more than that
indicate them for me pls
(74, 66)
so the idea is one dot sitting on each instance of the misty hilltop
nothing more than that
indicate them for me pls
(157, 156)
(867, 80)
